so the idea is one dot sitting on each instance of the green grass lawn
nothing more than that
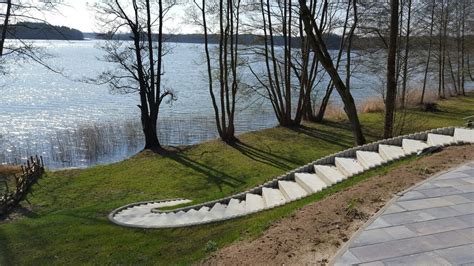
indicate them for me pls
(68, 223)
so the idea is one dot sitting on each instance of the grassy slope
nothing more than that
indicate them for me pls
(69, 225)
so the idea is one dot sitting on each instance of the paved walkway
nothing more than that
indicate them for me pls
(431, 224)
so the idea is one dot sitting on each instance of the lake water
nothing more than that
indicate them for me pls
(75, 124)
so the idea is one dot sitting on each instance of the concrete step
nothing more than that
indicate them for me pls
(160, 220)
(272, 197)
(254, 202)
(369, 159)
(235, 207)
(348, 166)
(149, 219)
(437, 139)
(464, 135)
(199, 214)
(134, 219)
(390, 152)
(291, 190)
(168, 219)
(312, 183)
(180, 217)
(217, 211)
(193, 216)
(203, 210)
(135, 210)
(413, 146)
(330, 174)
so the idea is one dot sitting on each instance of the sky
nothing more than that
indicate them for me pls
(78, 14)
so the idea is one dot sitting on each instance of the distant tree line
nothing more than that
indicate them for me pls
(41, 31)
(244, 39)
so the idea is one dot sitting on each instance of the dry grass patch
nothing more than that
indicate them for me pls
(8, 170)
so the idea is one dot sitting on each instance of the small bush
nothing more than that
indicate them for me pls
(430, 107)
(211, 246)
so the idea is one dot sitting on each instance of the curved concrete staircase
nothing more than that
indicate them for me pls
(292, 186)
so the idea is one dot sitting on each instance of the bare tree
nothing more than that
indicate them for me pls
(224, 96)
(390, 99)
(278, 20)
(139, 61)
(330, 86)
(321, 52)
(6, 21)
(430, 45)
(405, 57)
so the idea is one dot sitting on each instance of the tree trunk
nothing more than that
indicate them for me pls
(440, 52)
(452, 74)
(329, 89)
(390, 99)
(405, 59)
(463, 25)
(150, 131)
(321, 52)
(5, 26)
(209, 68)
(445, 40)
(429, 52)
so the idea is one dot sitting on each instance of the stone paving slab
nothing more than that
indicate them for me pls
(431, 224)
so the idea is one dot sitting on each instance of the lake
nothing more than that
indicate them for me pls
(76, 124)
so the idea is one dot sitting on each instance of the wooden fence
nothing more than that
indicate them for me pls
(31, 172)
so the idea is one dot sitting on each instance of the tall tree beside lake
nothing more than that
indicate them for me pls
(139, 62)
(321, 52)
(390, 99)
(227, 14)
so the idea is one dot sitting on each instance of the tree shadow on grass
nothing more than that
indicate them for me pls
(18, 212)
(332, 137)
(214, 176)
(265, 157)
(5, 252)
(370, 132)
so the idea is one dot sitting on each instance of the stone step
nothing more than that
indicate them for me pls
(253, 202)
(217, 212)
(348, 166)
(235, 207)
(369, 159)
(330, 174)
(413, 146)
(390, 152)
(464, 135)
(272, 197)
(291, 190)
(437, 139)
(312, 183)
